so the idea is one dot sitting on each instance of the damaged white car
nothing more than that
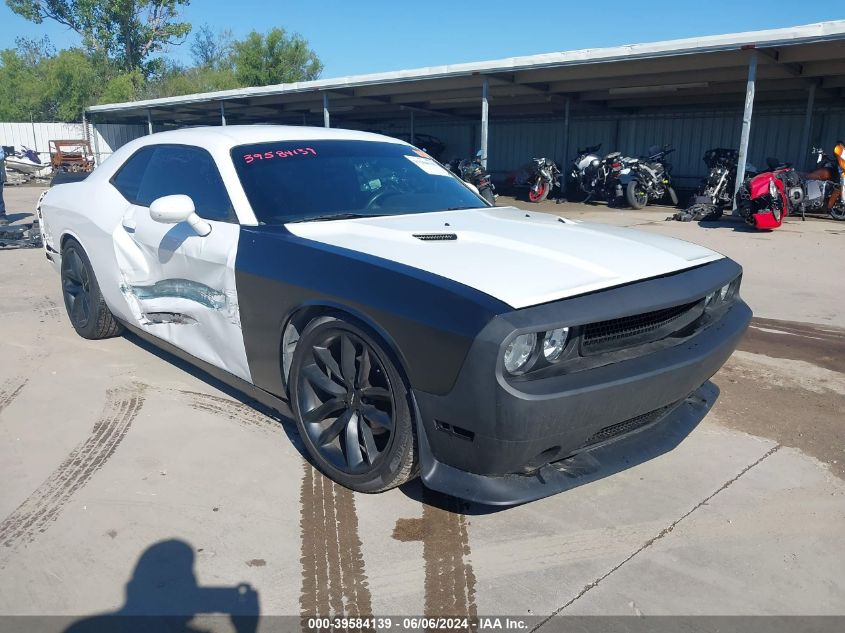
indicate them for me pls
(351, 281)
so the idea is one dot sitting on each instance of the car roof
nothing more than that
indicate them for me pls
(228, 136)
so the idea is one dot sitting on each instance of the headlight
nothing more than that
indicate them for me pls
(553, 343)
(518, 352)
(773, 190)
(723, 295)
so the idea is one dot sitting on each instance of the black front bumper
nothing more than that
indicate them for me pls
(496, 441)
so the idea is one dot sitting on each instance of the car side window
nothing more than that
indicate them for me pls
(179, 169)
(128, 179)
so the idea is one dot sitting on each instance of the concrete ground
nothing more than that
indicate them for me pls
(128, 479)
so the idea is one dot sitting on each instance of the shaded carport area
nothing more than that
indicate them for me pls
(769, 93)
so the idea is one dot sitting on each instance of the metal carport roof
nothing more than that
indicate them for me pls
(632, 78)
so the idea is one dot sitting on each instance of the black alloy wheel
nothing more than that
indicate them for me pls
(89, 315)
(76, 286)
(351, 407)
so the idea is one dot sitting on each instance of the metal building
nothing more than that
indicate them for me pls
(772, 93)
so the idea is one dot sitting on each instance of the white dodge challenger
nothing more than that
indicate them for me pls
(349, 280)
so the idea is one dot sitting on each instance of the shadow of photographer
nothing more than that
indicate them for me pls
(163, 596)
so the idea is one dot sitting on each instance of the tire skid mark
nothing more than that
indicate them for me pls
(10, 389)
(45, 505)
(449, 577)
(334, 581)
(252, 415)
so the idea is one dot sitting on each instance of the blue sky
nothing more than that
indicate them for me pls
(361, 36)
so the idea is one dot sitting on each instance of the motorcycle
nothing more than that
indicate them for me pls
(716, 191)
(599, 177)
(474, 172)
(822, 187)
(545, 174)
(764, 200)
(649, 179)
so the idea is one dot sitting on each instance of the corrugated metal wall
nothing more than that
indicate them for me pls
(513, 142)
(775, 132)
(37, 136)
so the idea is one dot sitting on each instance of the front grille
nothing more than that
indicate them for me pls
(614, 334)
(631, 424)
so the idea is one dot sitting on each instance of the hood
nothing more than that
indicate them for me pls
(521, 258)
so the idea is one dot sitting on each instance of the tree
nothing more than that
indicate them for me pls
(128, 32)
(54, 87)
(261, 60)
(210, 49)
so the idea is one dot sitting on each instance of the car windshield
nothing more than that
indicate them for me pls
(298, 181)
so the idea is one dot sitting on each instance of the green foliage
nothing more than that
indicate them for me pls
(128, 32)
(276, 57)
(122, 87)
(39, 83)
(210, 49)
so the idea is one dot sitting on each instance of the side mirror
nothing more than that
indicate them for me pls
(178, 208)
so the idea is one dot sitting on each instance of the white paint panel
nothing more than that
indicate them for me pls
(522, 259)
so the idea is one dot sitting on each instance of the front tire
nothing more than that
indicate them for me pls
(352, 407)
(86, 308)
(636, 196)
(540, 193)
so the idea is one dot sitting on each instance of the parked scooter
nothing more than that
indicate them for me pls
(649, 179)
(474, 172)
(544, 176)
(598, 177)
(716, 191)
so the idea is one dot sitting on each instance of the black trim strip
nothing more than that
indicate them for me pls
(238, 384)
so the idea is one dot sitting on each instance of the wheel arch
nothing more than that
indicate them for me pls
(67, 234)
(298, 319)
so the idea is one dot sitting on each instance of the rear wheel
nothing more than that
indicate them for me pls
(352, 407)
(487, 194)
(672, 196)
(86, 308)
(837, 211)
(635, 194)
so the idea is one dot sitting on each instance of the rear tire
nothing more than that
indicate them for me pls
(672, 196)
(352, 407)
(87, 310)
(837, 211)
(636, 197)
(487, 194)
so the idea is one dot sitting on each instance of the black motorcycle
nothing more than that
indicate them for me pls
(473, 171)
(649, 179)
(598, 178)
(716, 191)
(545, 175)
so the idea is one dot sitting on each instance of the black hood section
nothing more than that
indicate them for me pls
(428, 320)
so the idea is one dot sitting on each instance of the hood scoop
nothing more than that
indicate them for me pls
(436, 237)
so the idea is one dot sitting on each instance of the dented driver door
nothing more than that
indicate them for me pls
(178, 285)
